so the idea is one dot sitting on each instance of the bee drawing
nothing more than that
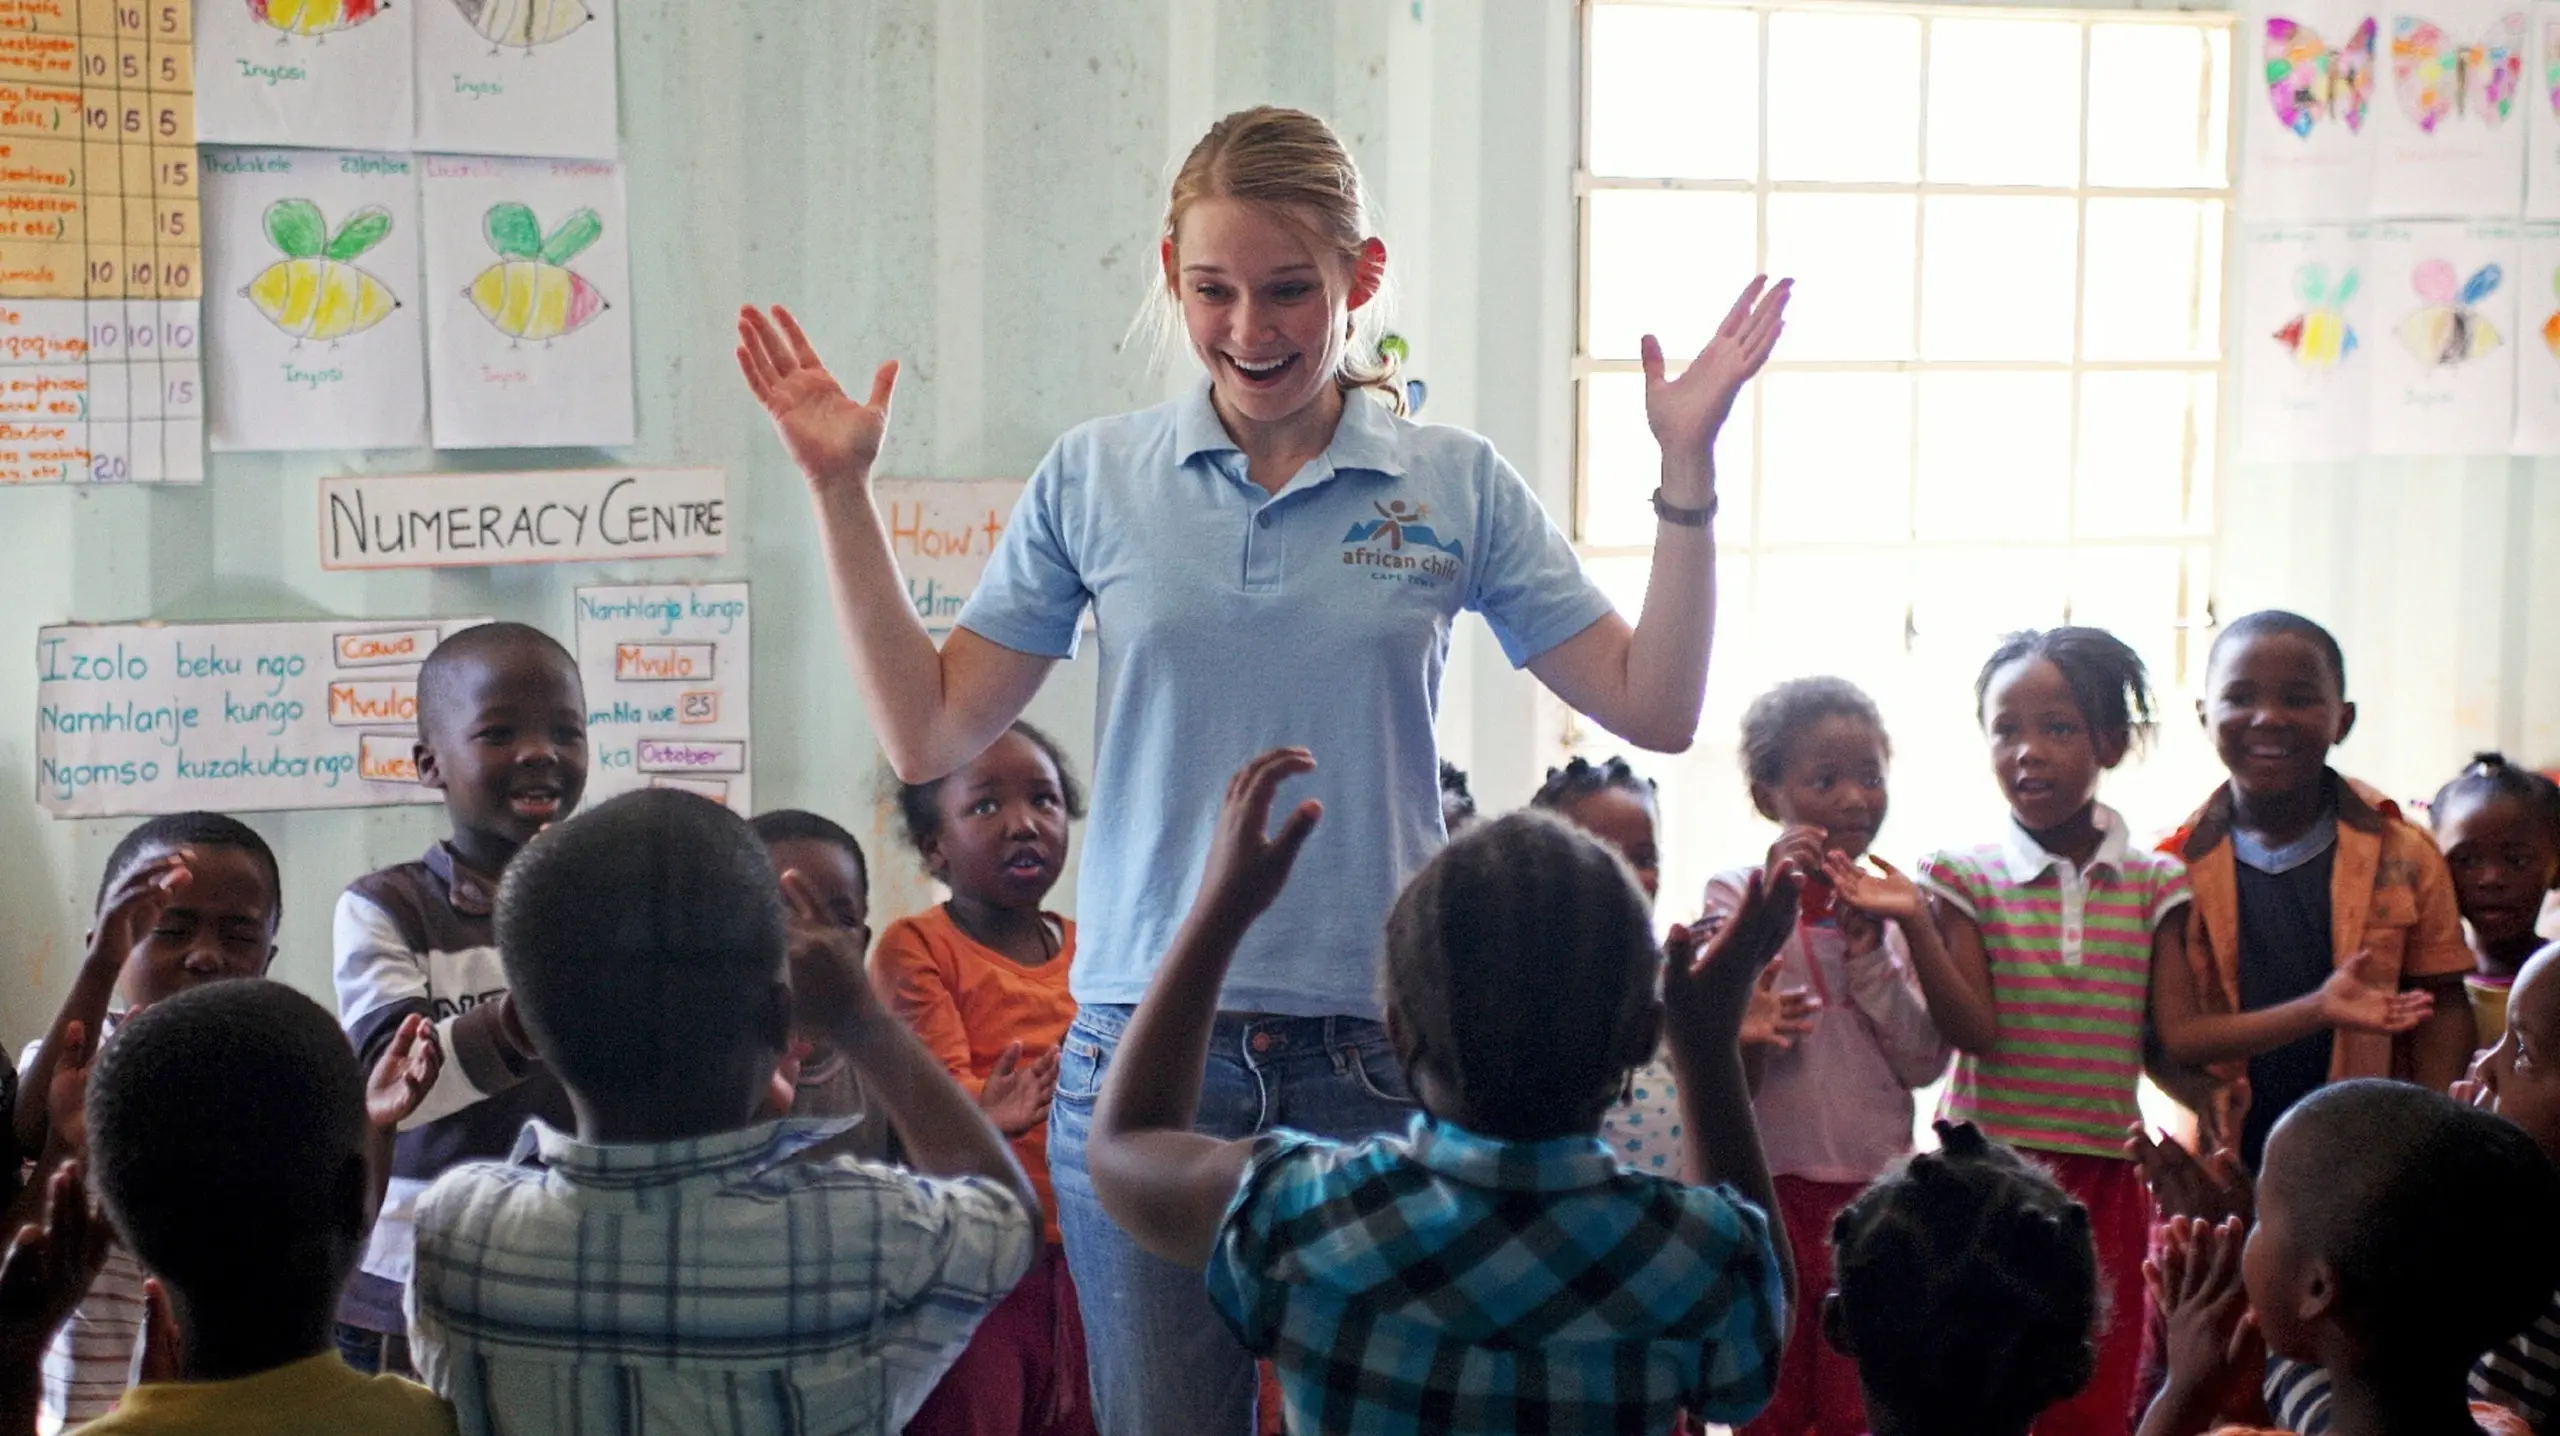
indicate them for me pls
(531, 293)
(314, 17)
(2450, 329)
(523, 24)
(315, 291)
(2320, 336)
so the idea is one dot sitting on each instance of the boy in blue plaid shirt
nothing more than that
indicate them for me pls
(1495, 1270)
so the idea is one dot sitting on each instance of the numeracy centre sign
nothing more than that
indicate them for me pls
(373, 521)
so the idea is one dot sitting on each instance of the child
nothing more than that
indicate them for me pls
(1457, 801)
(1835, 1104)
(830, 861)
(187, 899)
(2308, 886)
(2051, 937)
(982, 979)
(2499, 826)
(502, 733)
(678, 1265)
(1495, 1269)
(1967, 1291)
(2354, 1266)
(228, 1129)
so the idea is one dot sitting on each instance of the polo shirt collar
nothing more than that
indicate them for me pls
(1364, 440)
(471, 894)
(692, 1166)
(1561, 1164)
(2028, 859)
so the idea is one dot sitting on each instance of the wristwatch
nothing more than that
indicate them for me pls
(1686, 518)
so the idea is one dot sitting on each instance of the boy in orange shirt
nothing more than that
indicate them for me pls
(982, 979)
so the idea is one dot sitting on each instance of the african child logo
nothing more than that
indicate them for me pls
(1399, 544)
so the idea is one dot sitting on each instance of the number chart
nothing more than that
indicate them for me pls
(101, 256)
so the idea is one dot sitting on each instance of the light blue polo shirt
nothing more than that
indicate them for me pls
(1232, 622)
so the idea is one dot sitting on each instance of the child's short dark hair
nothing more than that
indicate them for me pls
(1457, 800)
(171, 831)
(799, 825)
(479, 643)
(1581, 778)
(2437, 1219)
(226, 1136)
(637, 937)
(920, 804)
(1778, 717)
(1522, 961)
(2491, 775)
(2270, 622)
(2106, 677)
(1968, 1286)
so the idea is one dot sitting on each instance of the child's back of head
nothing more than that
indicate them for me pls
(1967, 1291)
(1520, 970)
(644, 948)
(2400, 1234)
(226, 1137)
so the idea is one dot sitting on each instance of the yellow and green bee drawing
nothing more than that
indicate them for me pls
(316, 292)
(531, 293)
(315, 17)
(523, 24)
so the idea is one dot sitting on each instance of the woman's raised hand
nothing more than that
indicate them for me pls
(833, 439)
(1687, 412)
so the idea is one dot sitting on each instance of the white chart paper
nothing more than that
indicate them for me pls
(2307, 331)
(2450, 112)
(2314, 73)
(2445, 344)
(329, 73)
(517, 77)
(666, 669)
(2537, 287)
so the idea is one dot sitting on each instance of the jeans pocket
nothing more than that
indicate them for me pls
(1081, 1065)
(1379, 1075)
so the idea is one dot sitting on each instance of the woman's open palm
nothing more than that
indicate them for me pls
(832, 438)
(1687, 412)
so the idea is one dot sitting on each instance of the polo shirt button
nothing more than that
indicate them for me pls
(1262, 521)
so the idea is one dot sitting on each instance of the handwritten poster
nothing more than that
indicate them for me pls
(2450, 110)
(666, 669)
(374, 521)
(2540, 102)
(331, 73)
(153, 718)
(100, 260)
(942, 532)
(2445, 341)
(528, 319)
(2310, 113)
(2538, 341)
(517, 77)
(2307, 330)
(317, 334)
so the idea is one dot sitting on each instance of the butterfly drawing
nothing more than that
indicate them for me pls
(2309, 82)
(2449, 330)
(2320, 336)
(2551, 61)
(2437, 78)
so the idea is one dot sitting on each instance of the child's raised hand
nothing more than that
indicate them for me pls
(2215, 1356)
(1887, 893)
(1687, 412)
(1706, 995)
(2213, 1190)
(130, 911)
(1778, 1016)
(402, 1076)
(1016, 1097)
(2359, 998)
(832, 438)
(1249, 864)
(48, 1268)
(67, 1099)
(158, 1358)
(830, 988)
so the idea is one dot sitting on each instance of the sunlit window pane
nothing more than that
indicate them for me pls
(2004, 102)
(1963, 600)
(1844, 96)
(2154, 286)
(1996, 277)
(1622, 465)
(1675, 92)
(2139, 435)
(1995, 456)
(1836, 458)
(1667, 263)
(2133, 593)
(2159, 106)
(1851, 257)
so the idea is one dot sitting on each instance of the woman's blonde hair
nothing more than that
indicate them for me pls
(1285, 160)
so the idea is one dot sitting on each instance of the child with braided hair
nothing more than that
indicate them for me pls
(2499, 826)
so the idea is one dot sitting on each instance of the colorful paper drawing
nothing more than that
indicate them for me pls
(2437, 78)
(2320, 336)
(316, 291)
(531, 293)
(2551, 62)
(315, 17)
(523, 24)
(2551, 326)
(2309, 82)
(2450, 330)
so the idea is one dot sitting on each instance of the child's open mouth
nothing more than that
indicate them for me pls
(1026, 864)
(538, 805)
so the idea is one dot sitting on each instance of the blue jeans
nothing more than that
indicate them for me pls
(1163, 1360)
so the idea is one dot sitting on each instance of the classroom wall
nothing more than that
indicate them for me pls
(973, 186)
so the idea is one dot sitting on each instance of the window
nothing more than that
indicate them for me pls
(1997, 402)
